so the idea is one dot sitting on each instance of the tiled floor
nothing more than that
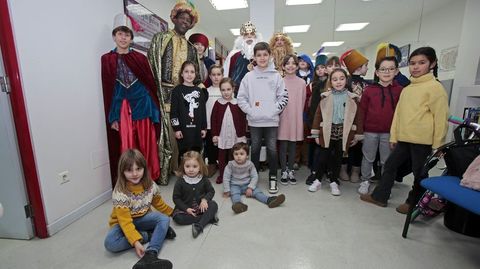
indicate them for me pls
(311, 230)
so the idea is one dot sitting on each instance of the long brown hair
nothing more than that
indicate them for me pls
(126, 162)
(189, 155)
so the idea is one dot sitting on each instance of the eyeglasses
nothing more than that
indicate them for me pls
(387, 70)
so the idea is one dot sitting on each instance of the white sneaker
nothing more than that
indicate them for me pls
(364, 187)
(272, 188)
(334, 189)
(315, 186)
(291, 177)
(284, 178)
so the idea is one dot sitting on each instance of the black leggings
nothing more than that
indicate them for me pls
(186, 219)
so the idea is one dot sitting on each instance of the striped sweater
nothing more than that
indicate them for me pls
(136, 203)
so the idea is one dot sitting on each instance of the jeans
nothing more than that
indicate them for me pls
(236, 192)
(182, 218)
(269, 134)
(153, 221)
(371, 143)
(402, 152)
(290, 148)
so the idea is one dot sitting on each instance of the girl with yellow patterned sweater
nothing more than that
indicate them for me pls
(132, 221)
(419, 125)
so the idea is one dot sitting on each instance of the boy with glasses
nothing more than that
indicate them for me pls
(377, 107)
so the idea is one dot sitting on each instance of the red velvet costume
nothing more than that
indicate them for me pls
(139, 65)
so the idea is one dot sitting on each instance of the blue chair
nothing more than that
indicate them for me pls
(449, 188)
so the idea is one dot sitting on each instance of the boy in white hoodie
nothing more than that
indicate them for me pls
(262, 96)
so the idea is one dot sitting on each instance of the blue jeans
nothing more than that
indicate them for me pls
(269, 134)
(236, 192)
(154, 222)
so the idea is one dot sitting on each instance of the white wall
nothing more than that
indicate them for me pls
(440, 29)
(59, 44)
(468, 60)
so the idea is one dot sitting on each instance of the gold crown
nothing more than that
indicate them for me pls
(247, 28)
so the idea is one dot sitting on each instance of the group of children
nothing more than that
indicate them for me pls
(344, 117)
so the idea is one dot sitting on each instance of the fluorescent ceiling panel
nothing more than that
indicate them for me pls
(302, 2)
(230, 4)
(332, 43)
(235, 31)
(351, 26)
(296, 45)
(296, 28)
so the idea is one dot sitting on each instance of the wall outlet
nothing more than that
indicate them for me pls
(63, 177)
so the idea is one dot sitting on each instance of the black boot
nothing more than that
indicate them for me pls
(170, 233)
(196, 230)
(150, 261)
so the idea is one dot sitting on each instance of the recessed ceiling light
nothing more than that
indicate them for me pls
(351, 26)
(324, 53)
(296, 28)
(296, 45)
(235, 31)
(332, 43)
(302, 2)
(230, 4)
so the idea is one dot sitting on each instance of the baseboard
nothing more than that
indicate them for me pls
(63, 222)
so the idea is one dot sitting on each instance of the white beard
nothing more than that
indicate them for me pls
(247, 50)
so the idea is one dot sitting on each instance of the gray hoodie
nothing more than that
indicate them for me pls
(262, 96)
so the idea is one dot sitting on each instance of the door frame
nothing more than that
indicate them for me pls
(20, 119)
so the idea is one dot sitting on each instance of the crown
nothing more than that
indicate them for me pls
(247, 28)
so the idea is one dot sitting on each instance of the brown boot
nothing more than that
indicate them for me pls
(239, 207)
(403, 208)
(275, 201)
(212, 169)
(355, 176)
(343, 173)
(369, 199)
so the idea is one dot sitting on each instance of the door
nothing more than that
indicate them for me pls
(13, 196)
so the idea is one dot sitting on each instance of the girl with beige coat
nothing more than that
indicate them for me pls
(336, 126)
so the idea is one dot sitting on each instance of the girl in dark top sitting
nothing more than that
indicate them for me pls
(193, 194)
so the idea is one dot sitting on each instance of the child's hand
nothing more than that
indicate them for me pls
(215, 140)
(317, 140)
(178, 135)
(139, 249)
(203, 205)
(190, 211)
(392, 145)
(226, 194)
(249, 192)
(115, 126)
(203, 133)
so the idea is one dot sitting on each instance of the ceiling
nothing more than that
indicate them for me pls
(385, 17)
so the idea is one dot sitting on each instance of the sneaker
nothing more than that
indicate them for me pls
(315, 186)
(272, 185)
(284, 178)
(310, 179)
(334, 189)
(170, 233)
(364, 187)
(296, 166)
(196, 230)
(369, 199)
(239, 207)
(403, 208)
(275, 201)
(150, 260)
(291, 177)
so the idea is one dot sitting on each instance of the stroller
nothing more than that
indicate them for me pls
(458, 155)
